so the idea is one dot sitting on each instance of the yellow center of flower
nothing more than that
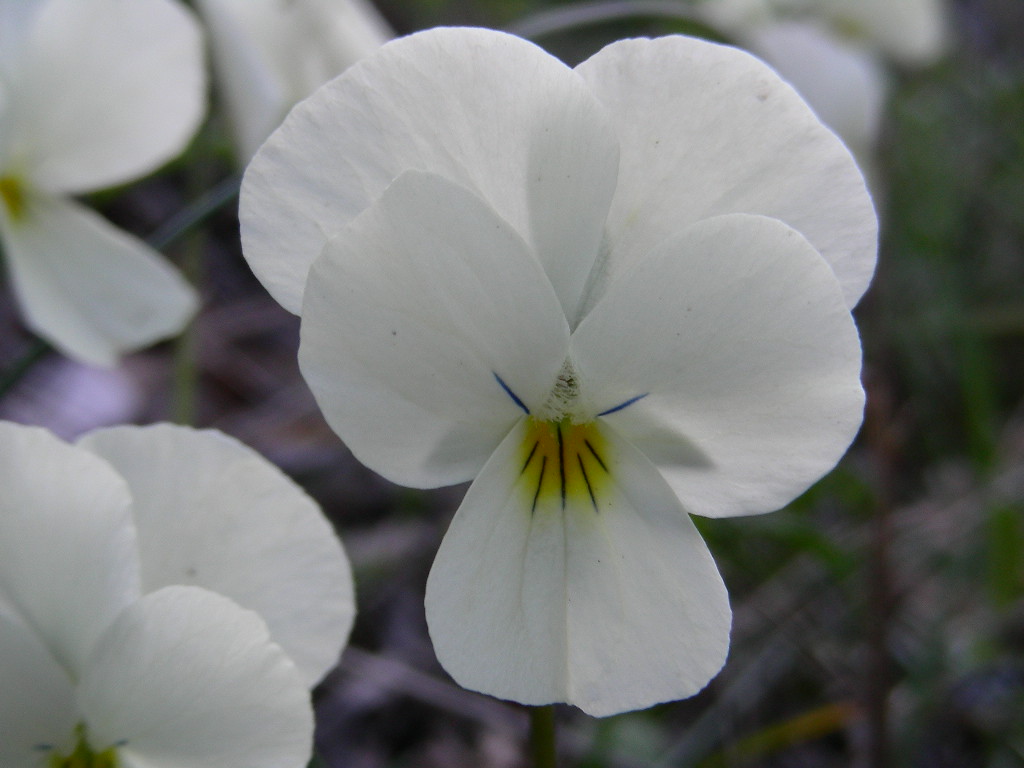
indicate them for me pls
(83, 755)
(12, 195)
(562, 464)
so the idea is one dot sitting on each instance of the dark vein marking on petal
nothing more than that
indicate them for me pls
(529, 458)
(561, 461)
(595, 454)
(510, 393)
(620, 406)
(540, 482)
(590, 489)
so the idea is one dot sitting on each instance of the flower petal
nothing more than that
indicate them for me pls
(911, 31)
(706, 129)
(604, 598)
(92, 290)
(108, 90)
(37, 706)
(186, 677)
(737, 332)
(243, 34)
(68, 562)
(844, 84)
(423, 323)
(213, 513)
(487, 110)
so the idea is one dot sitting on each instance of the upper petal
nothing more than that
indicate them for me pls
(92, 290)
(706, 129)
(68, 562)
(214, 513)
(844, 83)
(602, 595)
(185, 677)
(487, 110)
(738, 336)
(37, 699)
(421, 322)
(108, 90)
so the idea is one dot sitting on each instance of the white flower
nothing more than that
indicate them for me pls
(612, 295)
(112, 638)
(270, 54)
(94, 93)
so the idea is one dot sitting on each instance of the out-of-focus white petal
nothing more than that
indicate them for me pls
(185, 677)
(843, 83)
(737, 333)
(706, 129)
(108, 90)
(37, 700)
(272, 53)
(16, 19)
(213, 513)
(92, 290)
(911, 31)
(607, 599)
(68, 562)
(243, 35)
(421, 324)
(487, 110)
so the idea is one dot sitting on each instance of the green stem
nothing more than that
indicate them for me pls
(186, 345)
(542, 736)
(195, 213)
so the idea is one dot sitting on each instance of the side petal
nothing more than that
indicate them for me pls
(108, 90)
(68, 562)
(92, 290)
(423, 325)
(603, 596)
(186, 677)
(705, 129)
(37, 700)
(213, 513)
(738, 336)
(487, 110)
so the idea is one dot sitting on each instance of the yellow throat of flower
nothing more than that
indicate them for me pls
(83, 755)
(12, 195)
(563, 464)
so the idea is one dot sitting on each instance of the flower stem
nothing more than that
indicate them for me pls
(542, 736)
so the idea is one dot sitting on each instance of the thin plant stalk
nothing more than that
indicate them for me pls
(542, 736)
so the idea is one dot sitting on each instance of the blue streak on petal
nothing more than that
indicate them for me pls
(622, 405)
(511, 394)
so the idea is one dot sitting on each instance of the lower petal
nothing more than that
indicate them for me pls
(187, 677)
(36, 699)
(90, 289)
(591, 588)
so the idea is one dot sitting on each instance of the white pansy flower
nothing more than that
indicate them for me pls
(94, 93)
(269, 54)
(103, 665)
(611, 296)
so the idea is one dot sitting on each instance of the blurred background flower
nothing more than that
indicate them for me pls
(95, 94)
